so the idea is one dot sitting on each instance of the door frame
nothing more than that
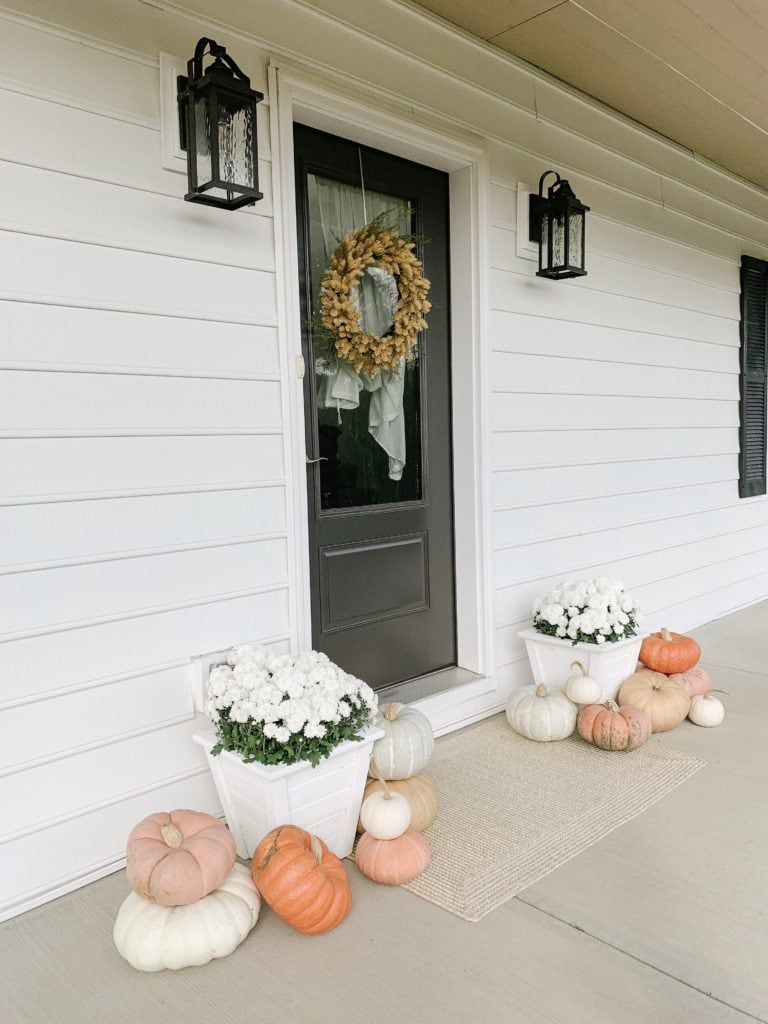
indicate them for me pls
(295, 95)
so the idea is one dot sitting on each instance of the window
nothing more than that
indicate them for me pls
(754, 343)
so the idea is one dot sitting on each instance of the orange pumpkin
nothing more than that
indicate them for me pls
(176, 859)
(301, 880)
(613, 728)
(665, 701)
(420, 793)
(669, 652)
(393, 861)
(696, 682)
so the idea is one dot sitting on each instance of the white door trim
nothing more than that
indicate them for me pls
(295, 96)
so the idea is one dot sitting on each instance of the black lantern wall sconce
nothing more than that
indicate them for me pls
(557, 223)
(217, 124)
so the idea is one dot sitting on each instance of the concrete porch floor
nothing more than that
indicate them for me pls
(664, 921)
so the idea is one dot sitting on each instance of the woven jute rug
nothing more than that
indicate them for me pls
(512, 810)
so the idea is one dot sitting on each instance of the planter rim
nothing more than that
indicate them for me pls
(208, 739)
(534, 634)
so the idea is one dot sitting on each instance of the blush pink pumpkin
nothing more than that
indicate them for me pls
(696, 682)
(393, 861)
(177, 858)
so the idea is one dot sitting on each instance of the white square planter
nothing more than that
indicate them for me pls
(551, 659)
(325, 800)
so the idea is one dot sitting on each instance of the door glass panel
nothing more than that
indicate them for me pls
(368, 427)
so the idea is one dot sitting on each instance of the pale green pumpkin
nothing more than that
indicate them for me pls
(537, 714)
(407, 745)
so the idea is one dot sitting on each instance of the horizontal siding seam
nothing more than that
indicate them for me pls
(589, 287)
(567, 573)
(10, 228)
(610, 394)
(599, 497)
(611, 430)
(82, 812)
(102, 369)
(173, 314)
(107, 741)
(56, 499)
(137, 673)
(608, 462)
(62, 99)
(12, 569)
(603, 530)
(613, 327)
(73, 434)
(140, 613)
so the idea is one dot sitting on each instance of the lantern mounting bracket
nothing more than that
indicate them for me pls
(223, 62)
(536, 206)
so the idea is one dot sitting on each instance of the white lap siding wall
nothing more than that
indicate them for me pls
(144, 496)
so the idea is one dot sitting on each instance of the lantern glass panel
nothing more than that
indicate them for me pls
(203, 141)
(236, 129)
(559, 242)
(575, 241)
(544, 244)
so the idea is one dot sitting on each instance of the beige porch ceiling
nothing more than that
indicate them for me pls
(694, 70)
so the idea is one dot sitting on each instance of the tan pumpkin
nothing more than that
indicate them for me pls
(175, 859)
(669, 652)
(393, 861)
(666, 702)
(420, 793)
(301, 880)
(613, 728)
(695, 681)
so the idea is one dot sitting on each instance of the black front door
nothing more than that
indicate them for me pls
(378, 446)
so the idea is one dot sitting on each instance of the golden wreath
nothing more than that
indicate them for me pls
(355, 252)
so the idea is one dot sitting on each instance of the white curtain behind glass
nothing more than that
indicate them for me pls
(335, 210)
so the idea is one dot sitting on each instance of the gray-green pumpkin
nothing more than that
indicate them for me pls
(539, 714)
(407, 745)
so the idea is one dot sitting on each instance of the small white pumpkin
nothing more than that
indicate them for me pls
(154, 938)
(407, 744)
(581, 688)
(385, 814)
(706, 710)
(537, 714)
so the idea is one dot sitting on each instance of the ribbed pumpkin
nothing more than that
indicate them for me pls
(393, 861)
(695, 681)
(176, 859)
(301, 880)
(669, 652)
(666, 702)
(155, 938)
(537, 714)
(421, 794)
(613, 728)
(408, 742)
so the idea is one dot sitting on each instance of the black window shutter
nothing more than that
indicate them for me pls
(754, 352)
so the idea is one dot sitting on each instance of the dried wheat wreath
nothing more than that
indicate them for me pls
(355, 252)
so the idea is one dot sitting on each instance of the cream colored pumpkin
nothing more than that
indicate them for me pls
(385, 814)
(408, 742)
(665, 701)
(706, 710)
(541, 715)
(420, 793)
(581, 688)
(155, 938)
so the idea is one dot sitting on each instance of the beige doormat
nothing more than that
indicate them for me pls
(512, 810)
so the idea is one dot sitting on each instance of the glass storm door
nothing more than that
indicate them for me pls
(379, 462)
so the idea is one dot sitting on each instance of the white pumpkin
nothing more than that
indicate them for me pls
(385, 814)
(407, 744)
(581, 688)
(706, 710)
(154, 938)
(537, 714)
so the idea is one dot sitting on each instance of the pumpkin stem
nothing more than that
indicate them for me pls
(391, 713)
(579, 666)
(612, 705)
(171, 835)
(317, 849)
(665, 634)
(541, 690)
(378, 775)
